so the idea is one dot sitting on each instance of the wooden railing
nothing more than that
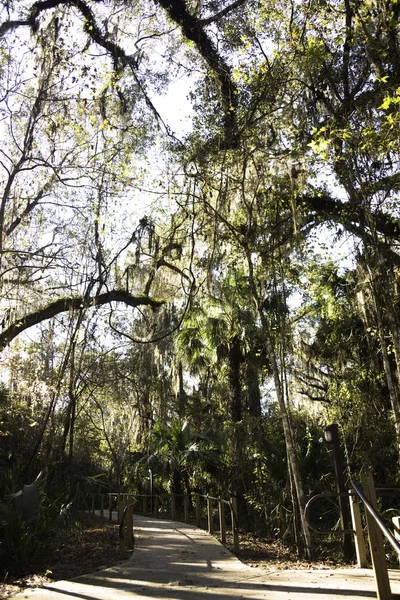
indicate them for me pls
(376, 527)
(376, 530)
(197, 508)
(125, 531)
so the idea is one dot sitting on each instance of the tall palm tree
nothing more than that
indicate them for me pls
(175, 451)
(220, 338)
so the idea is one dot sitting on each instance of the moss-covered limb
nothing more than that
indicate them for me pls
(349, 216)
(121, 59)
(388, 184)
(90, 25)
(73, 303)
(11, 25)
(222, 13)
(193, 29)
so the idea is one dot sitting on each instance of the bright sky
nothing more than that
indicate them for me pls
(175, 108)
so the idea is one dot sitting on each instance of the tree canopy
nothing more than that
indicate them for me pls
(220, 272)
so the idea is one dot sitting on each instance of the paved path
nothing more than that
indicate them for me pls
(174, 561)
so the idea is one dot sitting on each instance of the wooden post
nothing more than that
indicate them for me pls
(186, 508)
(110, 498)
(222, 527)
(197, 510)
(359, 540)
(173, 507)
(210, 516)
(102, 505)
(235, 528)
(122, 550)
(129, 523)
(151, 482)
(120, 506)
(332, 432)
(396, 533)
(86, 502)
(122, 543)
(378, 557)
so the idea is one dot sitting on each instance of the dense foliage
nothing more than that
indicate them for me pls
(199, 247)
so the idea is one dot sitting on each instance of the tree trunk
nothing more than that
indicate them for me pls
(177, 489)
(235, 359)
(72, 432)
(293, 460)
(253, 384)
(391, 384)
(182, 397)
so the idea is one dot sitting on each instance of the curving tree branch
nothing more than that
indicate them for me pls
(350, 216)
(193, 29)
(73, 303)
(120, 58)
(222, 13)
(90, 27)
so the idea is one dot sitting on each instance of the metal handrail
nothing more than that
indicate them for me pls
(377, 518)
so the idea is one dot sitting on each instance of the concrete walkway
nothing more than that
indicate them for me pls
(175, 561)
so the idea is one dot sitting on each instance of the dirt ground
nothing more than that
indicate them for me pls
(92, 547)
(95, 546)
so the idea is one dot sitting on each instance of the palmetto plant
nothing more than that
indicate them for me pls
(20, 523)
(175, 451)
(220, 336)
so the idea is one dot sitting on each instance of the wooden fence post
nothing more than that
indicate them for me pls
(122, 549)
(120, 506)
(122, 542)
(129, 523)
(378, 557)
(359, 541)
(197, 510)
(86, 502)
(173, 507)
(396, 533)
(234, 519)
(110, 498)
(222, 527)
(186, 508)
(210, 516)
